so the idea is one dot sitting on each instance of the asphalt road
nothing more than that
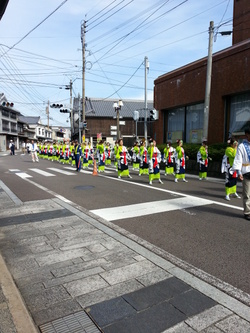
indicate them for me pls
(191, 221)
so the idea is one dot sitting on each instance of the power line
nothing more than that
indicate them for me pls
(35, 27)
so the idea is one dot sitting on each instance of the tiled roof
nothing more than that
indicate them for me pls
(97, 107)
(29, 120)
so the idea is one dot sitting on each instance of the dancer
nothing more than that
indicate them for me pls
(136, 156)
(202, 159)
(85, 149)
(154, 162)
(101, 156)
(143, 159)
(169, 152)
(122, 157)
(226, 167)
(180, 162)
(107, 154)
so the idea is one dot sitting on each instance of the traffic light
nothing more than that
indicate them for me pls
(7, 104)
(153, 114)
(57, 106)
(65, 110)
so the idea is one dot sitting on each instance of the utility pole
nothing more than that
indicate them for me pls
(71, 110)
(79, 115)
(146, 64)
(208, 80)
(83, 33)
(47, 112)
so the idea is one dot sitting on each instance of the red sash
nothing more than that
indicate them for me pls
(183, 158)
(124, 157)
(169, 157)
(156, 161)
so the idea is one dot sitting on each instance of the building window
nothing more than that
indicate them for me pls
(39, 131)
(43, 132)
(194, 123)
(176, 123)
(6, 126)
(5, 113)
(13, 127)
(12, 115)
(239, 113)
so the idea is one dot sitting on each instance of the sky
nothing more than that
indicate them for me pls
(41, 47)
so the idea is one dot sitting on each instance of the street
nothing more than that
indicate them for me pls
(190, 222)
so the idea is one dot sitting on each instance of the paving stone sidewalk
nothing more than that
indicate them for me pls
(76, 273)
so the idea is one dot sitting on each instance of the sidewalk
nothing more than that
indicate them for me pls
(74, 272)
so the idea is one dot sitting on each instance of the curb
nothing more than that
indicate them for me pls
(20, 315)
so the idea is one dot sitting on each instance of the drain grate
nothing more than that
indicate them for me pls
(75, 323)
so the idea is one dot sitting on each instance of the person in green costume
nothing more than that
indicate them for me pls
(226, 168)
(180, 165)
(122, 157)
(154, 162)
(101, 156)
(202, 159)
(136, 156)
(115, 152)
(169, 152)
(143, 159)
(107, 154)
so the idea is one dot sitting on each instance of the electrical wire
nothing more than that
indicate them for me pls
(35, 27)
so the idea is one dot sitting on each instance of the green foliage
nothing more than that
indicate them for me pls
(215, 151)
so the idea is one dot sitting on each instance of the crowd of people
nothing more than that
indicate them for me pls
(146, 160)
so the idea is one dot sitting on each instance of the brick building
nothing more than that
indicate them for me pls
(179, 95)
(101, 119)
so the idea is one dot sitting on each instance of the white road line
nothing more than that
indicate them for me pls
(43, 173)
(82, 171)
(172, 192)
(148, 208)
(23, 175)
(49, 191)
(62, 171)
(14, 170)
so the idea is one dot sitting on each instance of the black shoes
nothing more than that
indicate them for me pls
(247, 217)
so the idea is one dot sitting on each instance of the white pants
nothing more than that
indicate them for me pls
(246, 195)
(34, 156)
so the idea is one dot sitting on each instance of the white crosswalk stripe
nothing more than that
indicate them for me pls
(148, 208)
(20, 174)
(42, 172)
(64, 172)
(23, 175)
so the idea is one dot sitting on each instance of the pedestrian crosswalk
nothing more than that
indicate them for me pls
(52, 172)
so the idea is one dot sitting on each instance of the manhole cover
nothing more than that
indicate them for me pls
(83, 188)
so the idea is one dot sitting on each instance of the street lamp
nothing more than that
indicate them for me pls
(117, 106)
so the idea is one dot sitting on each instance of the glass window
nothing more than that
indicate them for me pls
(194, 123)
(239, 113)
(176, 121)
